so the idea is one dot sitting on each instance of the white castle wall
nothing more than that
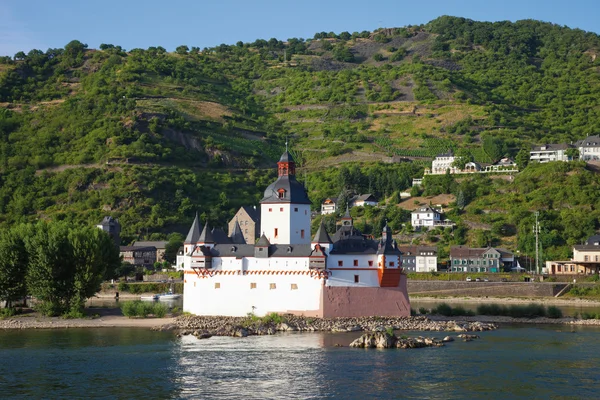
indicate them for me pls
(234, 295)
(289, 220)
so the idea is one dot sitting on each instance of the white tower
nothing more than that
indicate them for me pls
(285, 207)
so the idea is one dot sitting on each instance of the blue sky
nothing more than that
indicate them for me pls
(27, 24)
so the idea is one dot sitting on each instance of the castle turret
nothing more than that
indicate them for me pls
(285, 207)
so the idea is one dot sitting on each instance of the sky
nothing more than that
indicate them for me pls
(43, 24)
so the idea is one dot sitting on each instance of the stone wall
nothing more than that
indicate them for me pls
(482, 289)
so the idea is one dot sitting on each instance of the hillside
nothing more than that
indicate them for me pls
(150, 136)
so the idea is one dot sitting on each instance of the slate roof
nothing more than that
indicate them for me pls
(586, 247)
(468, 252)
(590, 141)
(593, 239)
(294, 191)
(412, 251)
(449, 153)
(286, 157)
(263, 241)
(159, 244)
(252, 212)
(136, 248)
(552, 147)
(219, 236)
(206, 235)
(237, 236)
(321, 236)
(425, 210)
(194, 233)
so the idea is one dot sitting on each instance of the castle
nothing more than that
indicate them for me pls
(287, 271)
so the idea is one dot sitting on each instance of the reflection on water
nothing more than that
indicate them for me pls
(568, 310)
(525, 362)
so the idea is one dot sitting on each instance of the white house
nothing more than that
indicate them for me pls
(589, 148)
(419, 258)
(429, 218)
(329, 205)
(550, 152)
(287, 272)
(363, 200)
(442, 163)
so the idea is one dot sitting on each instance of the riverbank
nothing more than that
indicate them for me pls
(555, 301)
(104, 318)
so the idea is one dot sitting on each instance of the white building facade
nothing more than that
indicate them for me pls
(286, 271)
(549, 152)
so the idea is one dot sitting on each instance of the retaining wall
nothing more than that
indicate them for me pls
(482, 289)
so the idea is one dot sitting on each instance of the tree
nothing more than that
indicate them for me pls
(463, 156)
(13, 265)
(342, 53)
(105, 46)
(172, 247)
(20, 56)
(182, 50)
(461, 201)
(572, 153)
(522, 159)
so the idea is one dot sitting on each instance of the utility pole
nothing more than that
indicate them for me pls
(536, 230)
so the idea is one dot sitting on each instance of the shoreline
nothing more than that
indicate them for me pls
(513, 300)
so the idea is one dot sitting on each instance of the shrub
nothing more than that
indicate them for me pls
(7, 312)
(554, 312)
(159, 310)
(423, 310)
(442, 309)
(123, 287)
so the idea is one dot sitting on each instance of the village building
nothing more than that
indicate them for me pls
(139, 256)
(287, 270)
(363, 200)
(419, 258)
(487, 259)
(550, 152)
(329, 205)
(111, 226)
(159, 245)
(589, 148)
(248, 218)
(585, 261)
(429, 218)
(443, 162)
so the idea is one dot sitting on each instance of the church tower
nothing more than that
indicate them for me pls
(285, 207)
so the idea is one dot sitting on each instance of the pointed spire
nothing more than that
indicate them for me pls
(206, 235)
(263, 241)
(322, 236)
(194, 233)
(347, 213)
(237, 236)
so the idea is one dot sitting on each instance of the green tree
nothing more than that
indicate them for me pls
(172, 247)
(13, 265)
(463, 156)
(522, 159)
(182, 50)
(461, 200)
(572, 153)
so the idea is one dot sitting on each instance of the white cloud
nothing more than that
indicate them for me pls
(15, 35)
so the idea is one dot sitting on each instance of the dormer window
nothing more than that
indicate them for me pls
(289, 249)
(281, 193)
(233, 249)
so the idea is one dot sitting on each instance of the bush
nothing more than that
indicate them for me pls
(7, 312)
(423, 310)
(138, 308)
(554, 312)
(442, 309)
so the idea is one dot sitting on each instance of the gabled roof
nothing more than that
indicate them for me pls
(136, 248)
(331, 199)
(237, 236)
(263, 241)
(194, 233)
(219, 236)
(206, 235)
(425, 210)
(449, 153)
(590, 141)
(252, 212)
(552, 147)
(593, 240)
(467, 252)
(159, 244)
(411, 250)
(365, 197)
(321, 236)
(108, 220)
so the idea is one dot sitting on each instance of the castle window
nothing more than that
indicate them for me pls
(272, 286)
(340, 263)
(356, 279)
(280, 209)
(253, 285)
(391, 264)
(295, 209)
(305, 212)
(276, 233)
(370, 263)
(302, 233)
(217, 285)
(270, 209)
(294, 286)
(356, 263)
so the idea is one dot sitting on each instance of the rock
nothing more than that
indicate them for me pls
(448, 339)
(204, 335)
(240, 332)
(354, 328)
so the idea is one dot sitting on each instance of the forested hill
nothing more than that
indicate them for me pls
(151, 136)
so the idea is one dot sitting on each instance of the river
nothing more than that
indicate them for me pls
(512, 362)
